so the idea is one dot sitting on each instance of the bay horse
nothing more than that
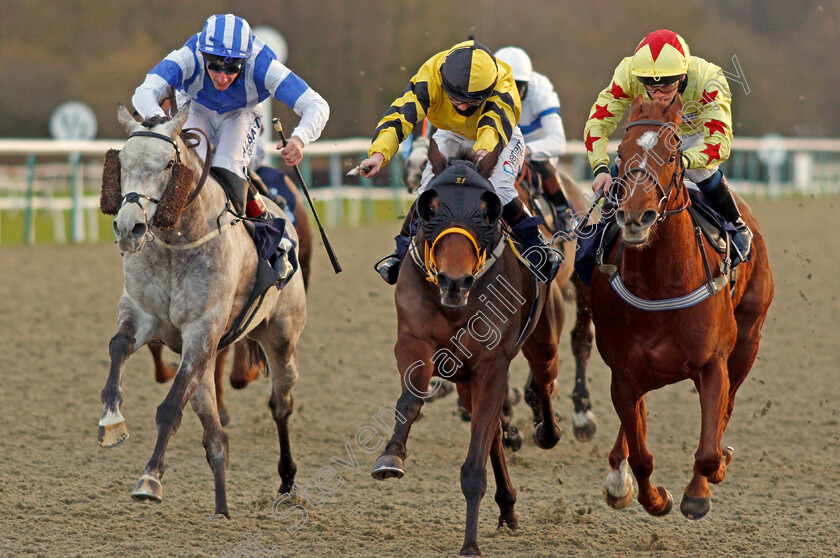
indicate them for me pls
(189, 297)
(244, 370)
(529, 189)
(663, 312)
(465, 307)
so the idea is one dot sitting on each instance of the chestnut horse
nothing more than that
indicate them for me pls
(244, 370)
(464, 319)
(663, 312)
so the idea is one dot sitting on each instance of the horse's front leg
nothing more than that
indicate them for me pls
(199, 347)
(488, 389)
(632, 411)
(583, 420)
(414, 361)
(215, 440)
(710, 460)
(133, 332)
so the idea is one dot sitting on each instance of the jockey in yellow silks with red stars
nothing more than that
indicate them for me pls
(660, 69)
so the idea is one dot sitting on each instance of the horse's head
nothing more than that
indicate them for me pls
(459, 214)
(146, 183)
(650, 169)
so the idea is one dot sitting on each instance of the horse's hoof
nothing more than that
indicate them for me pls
(584, 425)
(539, 435)
(510, 521)
(148, 488)
(513, 439)
(224, 417)
(112, 430)
(218, 516)
(470, 550)
(695, 508)
(619, 503)
(514, 396)
(669, 503)
(388, 467)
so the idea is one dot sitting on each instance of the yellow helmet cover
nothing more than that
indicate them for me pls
(661, 54)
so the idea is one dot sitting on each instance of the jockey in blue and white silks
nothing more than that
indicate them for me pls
(541, 122)
(227, 71)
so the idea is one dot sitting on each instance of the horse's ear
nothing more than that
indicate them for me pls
(127, 120)
(491, 207)
(674, 112)
(636, 107)
(428, 204)
(174, 126)
(488, 162)
(436, 158)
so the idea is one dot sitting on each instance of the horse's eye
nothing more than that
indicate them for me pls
(170, 164)
(673, 158)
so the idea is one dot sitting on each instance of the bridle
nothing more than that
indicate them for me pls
(676, 184)
(191, 139)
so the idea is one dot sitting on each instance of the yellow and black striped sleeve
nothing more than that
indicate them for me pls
(401, 117)
(500, 114)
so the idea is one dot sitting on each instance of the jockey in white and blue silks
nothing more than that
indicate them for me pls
(227, 71)
(541, 122)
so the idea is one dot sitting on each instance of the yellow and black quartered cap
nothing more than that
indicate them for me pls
(469, 72)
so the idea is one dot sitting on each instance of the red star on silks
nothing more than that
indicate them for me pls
(707, 97)
(712, 151)
(590, 140)
(715, 126)
(601, 112)
(657, 41)
(618, 92)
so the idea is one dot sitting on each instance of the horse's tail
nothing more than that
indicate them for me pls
(256, 356)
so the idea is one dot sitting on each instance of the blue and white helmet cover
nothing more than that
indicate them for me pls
(226, 35)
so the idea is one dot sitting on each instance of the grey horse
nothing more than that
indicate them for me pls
(186, 278)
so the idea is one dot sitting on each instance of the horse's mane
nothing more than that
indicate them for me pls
(153, 121)
(465, 154)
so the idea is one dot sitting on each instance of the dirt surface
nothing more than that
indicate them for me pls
(60, 495)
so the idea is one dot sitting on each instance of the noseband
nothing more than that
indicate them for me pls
(431, 263)
(676, 184)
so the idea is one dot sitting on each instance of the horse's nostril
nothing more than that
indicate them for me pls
(620, 218)
(467, 283)
(648, 218)
(116, 228)
(138, 230)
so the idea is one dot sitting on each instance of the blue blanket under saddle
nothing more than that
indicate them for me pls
(590, 237)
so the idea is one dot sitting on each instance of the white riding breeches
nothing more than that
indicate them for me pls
(504, 173)
(233, 134)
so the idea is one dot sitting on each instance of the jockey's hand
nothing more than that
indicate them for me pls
(373, 165)
(601, 181)
(480, 154)
(527, 153)
(293, 152)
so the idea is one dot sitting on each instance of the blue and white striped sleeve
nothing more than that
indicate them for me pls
(285, 86)
(177, 67)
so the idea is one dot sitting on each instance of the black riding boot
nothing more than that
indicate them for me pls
(234, 186)
(720, 198)
(389, 266)
(545, 263)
